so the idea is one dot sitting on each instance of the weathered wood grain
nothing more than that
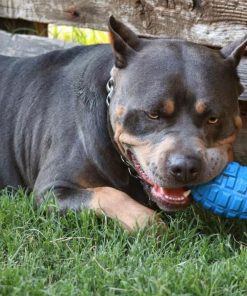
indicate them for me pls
(212, 22)
(242, 71)
(28, 45)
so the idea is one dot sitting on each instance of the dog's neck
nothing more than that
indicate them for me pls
(110, 89)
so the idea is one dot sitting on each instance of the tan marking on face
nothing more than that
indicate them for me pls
(238, 122)
(200, 106)
(117, 134)
(216, 158)
(228, 140)
(119, 205)
(169, 106)
(121, 138)
(226, 145)
(166, 145)
(119, 111)
(153, 152)
(143, 153)
(126, 138)
(226, 150)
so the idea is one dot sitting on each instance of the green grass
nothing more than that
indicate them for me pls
(80, 254)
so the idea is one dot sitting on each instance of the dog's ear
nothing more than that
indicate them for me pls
(124, 42)
(235, 50)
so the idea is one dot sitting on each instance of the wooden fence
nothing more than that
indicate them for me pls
(210, 22)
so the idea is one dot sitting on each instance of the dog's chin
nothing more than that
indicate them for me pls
(167, 199)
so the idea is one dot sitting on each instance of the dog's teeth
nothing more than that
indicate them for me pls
(187, 193)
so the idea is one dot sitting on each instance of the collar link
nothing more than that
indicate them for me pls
(109, 89)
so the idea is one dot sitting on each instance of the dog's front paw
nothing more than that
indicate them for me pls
(117, 204)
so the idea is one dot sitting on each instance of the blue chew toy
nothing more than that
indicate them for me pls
(225, 195)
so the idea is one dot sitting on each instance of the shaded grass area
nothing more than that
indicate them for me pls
(80, 254)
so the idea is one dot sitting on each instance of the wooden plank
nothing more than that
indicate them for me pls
(242, 71)
(212, 22)
(28, 45)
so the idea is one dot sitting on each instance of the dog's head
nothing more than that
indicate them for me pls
(174, 110)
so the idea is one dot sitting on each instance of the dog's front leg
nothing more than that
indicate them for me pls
(117, 204)
(105, 200)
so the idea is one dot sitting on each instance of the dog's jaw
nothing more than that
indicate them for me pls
(171, 199)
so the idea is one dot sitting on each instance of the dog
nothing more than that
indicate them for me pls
(122, 129)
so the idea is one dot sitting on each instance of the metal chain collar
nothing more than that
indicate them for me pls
(110, 89)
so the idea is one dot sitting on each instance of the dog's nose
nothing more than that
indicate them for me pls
(184, 168)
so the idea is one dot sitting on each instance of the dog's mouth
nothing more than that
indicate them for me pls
(170, 199)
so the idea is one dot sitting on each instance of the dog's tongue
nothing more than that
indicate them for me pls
(171, 196)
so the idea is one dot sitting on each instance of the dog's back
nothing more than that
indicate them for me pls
(38, 102)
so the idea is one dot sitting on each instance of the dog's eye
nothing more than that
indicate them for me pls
(213, 120)
(152, 115)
